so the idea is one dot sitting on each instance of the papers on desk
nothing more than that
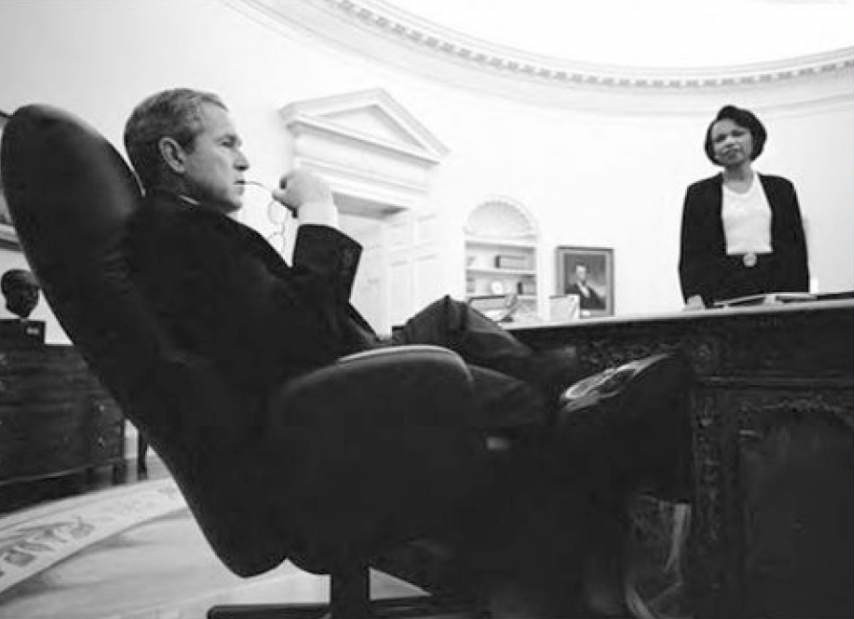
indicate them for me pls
(564, 307)
(772, 298)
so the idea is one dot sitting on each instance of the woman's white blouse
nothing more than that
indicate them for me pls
(747, 220)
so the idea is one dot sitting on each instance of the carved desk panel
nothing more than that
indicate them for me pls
(750, 362)
(55, 416)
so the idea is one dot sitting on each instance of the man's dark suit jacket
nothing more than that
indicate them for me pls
(224, 293)
(702, 260)
(224, 298)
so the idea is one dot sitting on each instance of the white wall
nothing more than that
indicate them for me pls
(589, 178)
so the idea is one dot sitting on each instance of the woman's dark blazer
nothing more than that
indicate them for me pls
(702, 258)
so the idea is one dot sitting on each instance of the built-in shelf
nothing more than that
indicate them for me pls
(521, 297)
(473, 241)
(501, 253)
(498, 271)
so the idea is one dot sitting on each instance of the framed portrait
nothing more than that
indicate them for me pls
(8, 238)
(589, 273)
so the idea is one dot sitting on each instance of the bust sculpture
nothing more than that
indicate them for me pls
(21, 290)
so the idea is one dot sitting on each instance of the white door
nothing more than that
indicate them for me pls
(369, 294)
(416, 277)
(400, 271)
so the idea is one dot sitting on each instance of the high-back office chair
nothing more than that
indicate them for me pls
(358, 456)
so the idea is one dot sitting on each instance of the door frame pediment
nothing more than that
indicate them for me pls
(368, 147)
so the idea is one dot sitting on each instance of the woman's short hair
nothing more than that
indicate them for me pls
(743, 118)
(174, 113)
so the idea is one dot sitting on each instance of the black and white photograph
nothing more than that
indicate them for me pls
(480, 309)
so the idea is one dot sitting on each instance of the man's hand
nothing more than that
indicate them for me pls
(308, 197)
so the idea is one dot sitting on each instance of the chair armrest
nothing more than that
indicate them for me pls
(393, 387)
(390, 353)
(379, 450)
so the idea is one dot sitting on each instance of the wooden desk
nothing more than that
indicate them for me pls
(751, 362)
(55, 417)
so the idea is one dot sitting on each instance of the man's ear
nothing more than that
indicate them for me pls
(173, 154)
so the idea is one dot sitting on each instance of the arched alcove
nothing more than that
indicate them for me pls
(501, 247)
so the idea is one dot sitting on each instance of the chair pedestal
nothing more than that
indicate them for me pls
(349, 598)
(350, 592)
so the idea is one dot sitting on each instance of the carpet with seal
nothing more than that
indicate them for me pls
(134, 552)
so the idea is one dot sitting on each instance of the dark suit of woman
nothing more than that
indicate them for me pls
(704, 267)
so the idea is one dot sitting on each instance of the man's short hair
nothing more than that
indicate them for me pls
(174, 113)
(743, 118)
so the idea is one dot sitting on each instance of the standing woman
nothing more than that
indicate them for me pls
(741, 231)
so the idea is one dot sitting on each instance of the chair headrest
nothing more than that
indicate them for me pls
(70, 195)
(57, 169)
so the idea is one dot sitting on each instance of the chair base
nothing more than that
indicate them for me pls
(433, 606)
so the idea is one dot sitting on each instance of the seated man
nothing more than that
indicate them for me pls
(224, 293)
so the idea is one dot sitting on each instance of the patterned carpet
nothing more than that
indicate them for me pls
(133, 553)
(33, 540)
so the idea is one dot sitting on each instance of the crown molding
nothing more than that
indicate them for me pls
(406, 29)
(394, 37)
(391, 22)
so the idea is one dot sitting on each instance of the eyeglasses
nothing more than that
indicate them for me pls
(277, 213)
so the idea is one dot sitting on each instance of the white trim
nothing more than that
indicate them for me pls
(376, 178)
(430, 145)
(8, 237)
(381, 189)
(301, 122)
(394, 165)
(344, 21)
(530, 234)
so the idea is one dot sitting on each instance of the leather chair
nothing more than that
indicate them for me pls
(357, 458)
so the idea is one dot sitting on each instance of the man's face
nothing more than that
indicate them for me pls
(581, 273)
(215, 164)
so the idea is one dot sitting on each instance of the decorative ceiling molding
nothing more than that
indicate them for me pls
(433, 38)
(411, 32)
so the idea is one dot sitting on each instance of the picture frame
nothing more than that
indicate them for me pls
(596, 266)
(8, 237)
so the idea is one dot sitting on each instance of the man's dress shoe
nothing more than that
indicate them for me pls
(630, 423)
